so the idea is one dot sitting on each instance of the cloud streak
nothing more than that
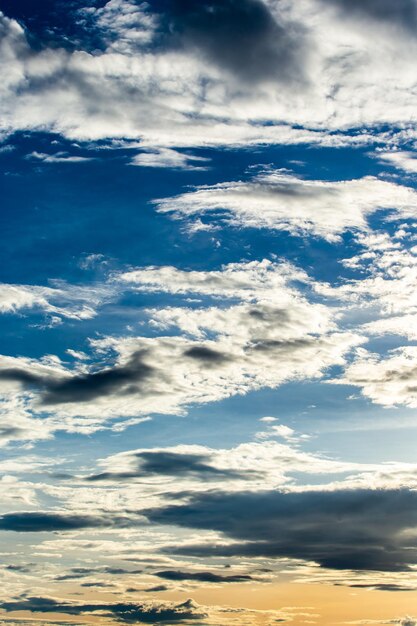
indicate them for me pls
(279, 201)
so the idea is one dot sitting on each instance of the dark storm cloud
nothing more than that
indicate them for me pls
(171, 464)
(400, 12)
(84, 387)
(128, 613)
(240, 36)
(48, 522)
(203, 577)
(359, 530)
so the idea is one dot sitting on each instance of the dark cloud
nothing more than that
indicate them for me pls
(11, 432)
(155, 589)
(102, 383)
(129, 613)
(382, 587)
(359, 530)
(98, 584)
(239, 36)
(82, 572)
(402, 13)
(48, 522)
(19, 568)
(171, 464)
(25, 621)
(203, 577)
(284, 346)
(20, 376)
(85, 387)
(206, 355)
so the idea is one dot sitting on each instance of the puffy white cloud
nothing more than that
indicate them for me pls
(167, 157)
(17, 423)
(252, 281)
(280, 201)
(388, 266)
(62, 299)
(390, 380)
(404, 325)
(273, 335)
(280, 430)
(400, 159)
(382, 301)
(124, 24)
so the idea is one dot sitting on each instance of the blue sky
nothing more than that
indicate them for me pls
(208, 370)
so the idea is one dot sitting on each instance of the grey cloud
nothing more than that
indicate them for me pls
(171, 464)
(240, 36)
(49, 522)
(382, 587)
(207, 355)
(203, 577)
(354, 530)
(84, 387)
(155, 589)
(97, 384)
(19, 568)
(399, 12)
(11, 432)
(20, 376)
(83, 572)
(98, 584)
(283, 346)
(128, 613)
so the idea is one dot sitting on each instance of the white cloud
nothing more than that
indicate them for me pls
(388, 381)
(124, 24)
(279, 201)
(252, 466)
(280, 430)
(167, 157)
(62, 299)
(400, 159)
(137, 88)
(389, 268)
(255, 280)
(249, 466)
(17, 422)
(59, 157)
(404, 325)
(271, 336)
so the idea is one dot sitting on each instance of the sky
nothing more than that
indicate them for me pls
(208, 308)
